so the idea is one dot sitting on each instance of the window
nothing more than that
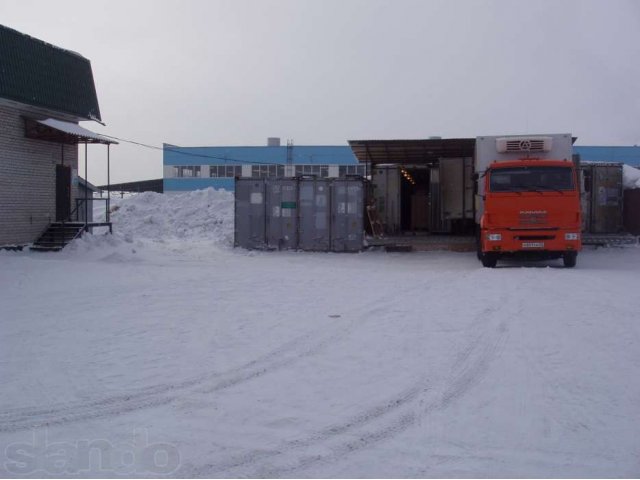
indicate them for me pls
(188, 171)
(345, 170)
(522, 179)
(225, 171)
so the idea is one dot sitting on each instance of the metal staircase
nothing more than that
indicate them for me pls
(57, 236)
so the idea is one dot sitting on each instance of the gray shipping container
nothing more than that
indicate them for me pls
(250, 221)
(602, 197)
(314, 207)
(347, 206)
(306, 213)
(451, 193)
(282, 213)
(386, 192)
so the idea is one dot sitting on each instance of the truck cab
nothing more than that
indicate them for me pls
(532, 208)
(530, 199)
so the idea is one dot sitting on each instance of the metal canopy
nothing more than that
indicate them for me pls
(411, 151)
(53, 130)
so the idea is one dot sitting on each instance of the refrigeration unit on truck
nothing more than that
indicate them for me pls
(528, 201)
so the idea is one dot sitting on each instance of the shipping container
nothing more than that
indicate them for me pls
(347, 207)
(386, 196)
(602, 197)
(282, 213)
(313, 203)
(308, 213)
(250, 219)
(632, 211)
(451, 194)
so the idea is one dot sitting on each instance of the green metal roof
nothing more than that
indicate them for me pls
(43, 75)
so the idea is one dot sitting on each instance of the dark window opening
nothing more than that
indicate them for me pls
(523, 179)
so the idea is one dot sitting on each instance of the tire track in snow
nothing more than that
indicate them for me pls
(288, 353)
(324, 434)
(461, 381)
(472, 364)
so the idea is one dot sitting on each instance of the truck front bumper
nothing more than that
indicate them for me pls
(512, 241)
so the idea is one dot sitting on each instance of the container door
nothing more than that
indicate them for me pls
(347, 210)
(386, 193)
(585, 196)
(282, 213)
(632, 211)
(314, 208)
(437, 222)
(606, 199)
(250, 213)
(468, 189)
(452, 192)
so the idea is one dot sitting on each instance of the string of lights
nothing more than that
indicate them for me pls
(407, 176)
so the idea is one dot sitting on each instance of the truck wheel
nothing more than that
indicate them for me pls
(489, 260)
(569, 259)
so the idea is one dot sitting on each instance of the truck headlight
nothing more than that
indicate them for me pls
(571, 236)
(494, 237)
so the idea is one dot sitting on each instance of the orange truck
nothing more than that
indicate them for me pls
(528, 201)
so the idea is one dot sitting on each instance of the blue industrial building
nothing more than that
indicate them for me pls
(628, 155)
(192, 168)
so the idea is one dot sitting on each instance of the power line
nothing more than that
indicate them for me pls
(191, 154)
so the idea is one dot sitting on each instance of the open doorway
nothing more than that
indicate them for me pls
(414, 199)
(430, 198)
(63, 192)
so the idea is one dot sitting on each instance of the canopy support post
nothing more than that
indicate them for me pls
(86, 190)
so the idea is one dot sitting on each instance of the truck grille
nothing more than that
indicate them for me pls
(532, 218)
(535, 237)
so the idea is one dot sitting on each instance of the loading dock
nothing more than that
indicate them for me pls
(422, 192)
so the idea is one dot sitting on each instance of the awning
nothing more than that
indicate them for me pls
(53, 130)
(412, 152)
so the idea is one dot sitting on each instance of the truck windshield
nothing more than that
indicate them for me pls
(531, 179)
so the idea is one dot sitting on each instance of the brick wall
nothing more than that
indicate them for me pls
(28, 178)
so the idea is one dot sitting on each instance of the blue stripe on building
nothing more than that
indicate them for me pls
(628, 155)
(301, 155)
(174, 156)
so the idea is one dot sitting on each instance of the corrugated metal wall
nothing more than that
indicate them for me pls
(308, 213)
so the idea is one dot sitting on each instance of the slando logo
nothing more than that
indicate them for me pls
(98, 456)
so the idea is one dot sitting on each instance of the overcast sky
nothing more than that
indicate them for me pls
(196, 73)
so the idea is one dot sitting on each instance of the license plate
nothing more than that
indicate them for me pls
(532, 244)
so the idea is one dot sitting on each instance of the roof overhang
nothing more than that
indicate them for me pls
(87, 185)
(58, 131)
(412, 152)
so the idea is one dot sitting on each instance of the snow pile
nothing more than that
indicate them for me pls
(630, 177)
(202, 216)
(198, 215)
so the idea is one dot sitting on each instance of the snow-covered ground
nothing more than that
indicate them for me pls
(163, 339)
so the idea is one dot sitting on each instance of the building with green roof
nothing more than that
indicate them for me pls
(45, 91)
